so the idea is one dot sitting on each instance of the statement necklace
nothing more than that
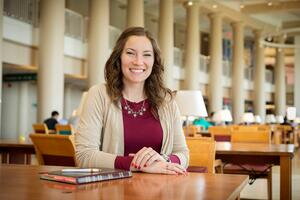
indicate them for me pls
(130, 111)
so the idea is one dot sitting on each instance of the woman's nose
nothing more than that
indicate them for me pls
(138, 60)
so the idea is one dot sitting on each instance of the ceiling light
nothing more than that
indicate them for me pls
(270, 3)
(189, 3)
(242, 6)
(215, 6)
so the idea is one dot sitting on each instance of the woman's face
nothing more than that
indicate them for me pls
(137, 60)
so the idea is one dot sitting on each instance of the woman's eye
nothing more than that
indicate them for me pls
(147, 55)
(129, 53)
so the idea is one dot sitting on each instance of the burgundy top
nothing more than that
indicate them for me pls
(140, 131)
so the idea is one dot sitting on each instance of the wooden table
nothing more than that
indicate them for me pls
(22, 182)
(16, 151)
(241, 153)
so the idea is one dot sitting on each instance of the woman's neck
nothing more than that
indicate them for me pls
(134, 92)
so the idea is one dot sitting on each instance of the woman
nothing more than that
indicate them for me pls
(132, 121)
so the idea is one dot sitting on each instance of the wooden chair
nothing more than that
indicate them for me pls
(220, 133)
(202, 153)
(251, 136)
(66, 129)
(257, 170)
(40, 128)
(191, 130)
(54, 149)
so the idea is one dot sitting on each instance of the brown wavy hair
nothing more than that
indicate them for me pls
(154, 87)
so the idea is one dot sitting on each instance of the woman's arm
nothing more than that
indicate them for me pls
(88, 133)
(180, 148)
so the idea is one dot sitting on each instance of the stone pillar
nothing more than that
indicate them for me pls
(192, 48)
(51, 58)
(23, 104)
(1, 36)
(215, 64)
(280, 84)
(135, 13)
(237, 83)
(297, 75)
(98, 41)
(166, 39)
(259, 77)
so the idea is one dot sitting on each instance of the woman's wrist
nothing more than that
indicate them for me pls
(165, 157)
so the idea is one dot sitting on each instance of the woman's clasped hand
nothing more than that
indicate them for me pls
(148, 160)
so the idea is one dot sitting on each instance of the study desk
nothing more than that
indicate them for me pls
(22, 182)
(257, 153)
(16, 151)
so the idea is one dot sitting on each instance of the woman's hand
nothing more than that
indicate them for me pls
(145, 157)
(163, 167)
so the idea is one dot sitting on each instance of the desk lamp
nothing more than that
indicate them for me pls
(190, 103)
(270, 119)
(222, 116)
(248, 118)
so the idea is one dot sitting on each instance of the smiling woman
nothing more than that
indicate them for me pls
(132, 122)
(137, 60)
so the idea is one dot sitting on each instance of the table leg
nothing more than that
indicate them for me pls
(285, 177)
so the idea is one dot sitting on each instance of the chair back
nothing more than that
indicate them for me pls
(191, 130)
(40, 128)
(202, 152)
(250, 127)
(220, 133)
(251, 136)
(64, 129)
(219, 130)
(54, 149)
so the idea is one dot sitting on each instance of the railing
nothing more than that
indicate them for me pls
(28, 11)
(226, 68)
(204, 62)
(114, 34)
(269, 76)
(248, 73)
(75, 25)
(178, 56)
(23, 10)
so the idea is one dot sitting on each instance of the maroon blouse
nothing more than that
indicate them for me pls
(140, 131)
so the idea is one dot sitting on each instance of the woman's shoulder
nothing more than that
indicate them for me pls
(169, 100)
(99, 90)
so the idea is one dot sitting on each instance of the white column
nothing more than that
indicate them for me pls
(166, 40)
(237, 82)
(192, 48)
(259, 77)
(135, 13)
(1, 36)
(98, 41)
(215, 65)
(51, 58)
(23, 104)
(280, 91)
(297, 75)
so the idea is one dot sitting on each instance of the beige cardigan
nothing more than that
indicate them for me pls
(99, 112)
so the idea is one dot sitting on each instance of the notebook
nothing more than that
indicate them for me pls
(85, 177)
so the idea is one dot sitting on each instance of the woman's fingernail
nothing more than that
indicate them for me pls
(145, 165)
(139, 167)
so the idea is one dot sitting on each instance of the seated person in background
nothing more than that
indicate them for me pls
(52, 121)
(132, 122)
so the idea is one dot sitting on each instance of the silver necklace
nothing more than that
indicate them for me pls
(130, 111)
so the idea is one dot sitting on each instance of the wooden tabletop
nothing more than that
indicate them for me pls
(21, 181)
(255, 148)
(15, 143)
